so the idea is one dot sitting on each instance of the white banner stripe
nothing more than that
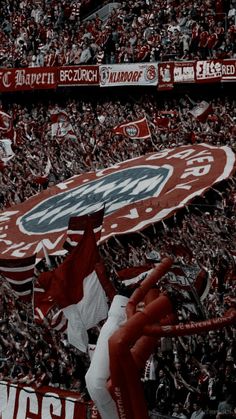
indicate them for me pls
(20, 281)
(38, 289)
(19, 269)
(61, 325)
(22, 293)
(81, 232)
(70, 242)
(39, 314)
(137, 278)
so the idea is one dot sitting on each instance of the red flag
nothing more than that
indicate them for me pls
(128, 273)
(201, 111)
(61, 126)
(77, 226)
(74, 286)
(163, 119)
(58, 116)
(134, 129)
(43, 302)
(162, 122)
(19, 273)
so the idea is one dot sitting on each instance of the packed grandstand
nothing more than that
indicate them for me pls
(117, 164)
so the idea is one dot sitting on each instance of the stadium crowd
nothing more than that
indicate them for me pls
(189, 377)
(183, 373)
(91, 144)
(48, 33)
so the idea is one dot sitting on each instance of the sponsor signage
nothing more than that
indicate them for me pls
(166, 75)
(128, 74)
(184, 72)
(28, 78)
(136, 193)
(208, 71)
(80, 75)
(228, 70)
(163, 75)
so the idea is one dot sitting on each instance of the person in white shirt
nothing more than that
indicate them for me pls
(198, 412)
(178, 411)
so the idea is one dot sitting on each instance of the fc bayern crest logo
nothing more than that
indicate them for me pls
(104, 75)
(136, 193)
(151, 73)
(132, 130)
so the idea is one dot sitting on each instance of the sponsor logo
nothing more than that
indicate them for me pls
(150, 73)
(184, 72)
(208, 70)
(104, 75)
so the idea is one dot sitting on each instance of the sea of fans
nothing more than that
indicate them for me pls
(94, 145)
(188, 377)
(54, 33)
(182, 373)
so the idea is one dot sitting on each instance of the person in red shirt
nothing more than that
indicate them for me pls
(232, 33)
(142, 51)
(220, 32)
(203, 43)
(212, 42)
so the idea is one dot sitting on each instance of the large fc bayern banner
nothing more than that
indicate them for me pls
(136, 193)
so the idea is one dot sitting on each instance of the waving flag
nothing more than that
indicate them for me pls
(77, 226)
(201, 111)
(20, 275)
(42, 301)
(75, 288)
(162, 122)
(6, 152)
(61, 126)
(134, 129)
(163, 119)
